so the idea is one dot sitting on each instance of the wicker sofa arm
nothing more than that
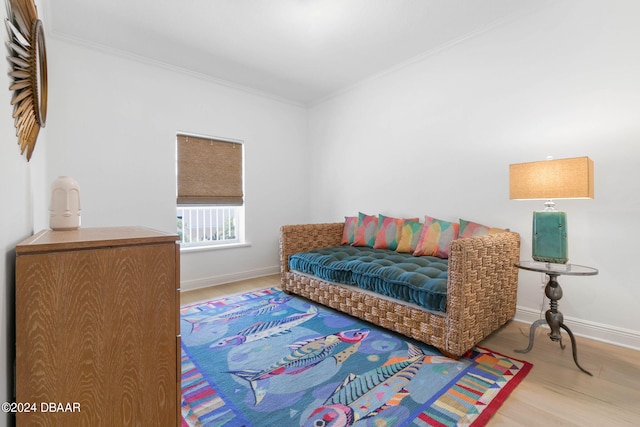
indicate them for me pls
(305, 237)
(482, 286)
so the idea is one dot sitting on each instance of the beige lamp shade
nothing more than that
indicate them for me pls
(552, 179)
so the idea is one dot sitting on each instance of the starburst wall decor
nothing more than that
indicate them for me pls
(28, 69)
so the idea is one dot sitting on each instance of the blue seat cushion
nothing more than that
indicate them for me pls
(420, 280)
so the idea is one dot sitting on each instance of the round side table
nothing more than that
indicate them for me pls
(553, 291)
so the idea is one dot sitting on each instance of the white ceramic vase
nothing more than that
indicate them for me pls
(64, 211)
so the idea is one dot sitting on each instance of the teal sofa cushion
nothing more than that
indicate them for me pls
(421, 280)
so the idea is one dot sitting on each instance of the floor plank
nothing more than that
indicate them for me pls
(556, 392)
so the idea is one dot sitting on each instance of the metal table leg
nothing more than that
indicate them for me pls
(532, 334)
(555, 320)
(574, 350)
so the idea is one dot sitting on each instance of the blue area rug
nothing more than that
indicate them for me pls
(265, 358)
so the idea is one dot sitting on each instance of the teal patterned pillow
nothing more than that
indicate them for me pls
(366, 231)
(349, 231)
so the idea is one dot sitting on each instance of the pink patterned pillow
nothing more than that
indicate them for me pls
(349, 231)
(436, 237)
(473, 229)
(366, 230)
(409, 236)
(389, 232)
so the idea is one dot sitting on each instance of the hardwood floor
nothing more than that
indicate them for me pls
(204, 294)
(556, 392)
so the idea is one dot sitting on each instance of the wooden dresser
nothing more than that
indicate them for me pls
(97, 328)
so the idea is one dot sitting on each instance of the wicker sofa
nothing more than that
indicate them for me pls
(481, 289)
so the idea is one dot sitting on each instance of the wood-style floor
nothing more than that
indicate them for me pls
(556, 392)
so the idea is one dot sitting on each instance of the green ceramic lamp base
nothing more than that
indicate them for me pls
(550, 237)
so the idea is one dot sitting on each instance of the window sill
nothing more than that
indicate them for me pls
(213, 247)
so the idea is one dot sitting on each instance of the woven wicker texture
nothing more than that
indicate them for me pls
(481, 289)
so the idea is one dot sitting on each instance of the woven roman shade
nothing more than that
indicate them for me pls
(209, 171)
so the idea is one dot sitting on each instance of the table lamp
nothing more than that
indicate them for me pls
(547, 180)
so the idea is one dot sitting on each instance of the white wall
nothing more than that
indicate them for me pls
(437, 136)
(15, 225)
(21, 190)
(113, 122)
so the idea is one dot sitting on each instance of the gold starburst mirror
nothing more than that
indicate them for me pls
(28, 63)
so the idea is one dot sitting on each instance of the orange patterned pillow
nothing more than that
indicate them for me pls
(436, 237)
(349, 231)
(366, 230)
(389, 232)
(473, 229)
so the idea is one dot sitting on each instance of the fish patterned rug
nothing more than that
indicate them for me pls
(265, 358)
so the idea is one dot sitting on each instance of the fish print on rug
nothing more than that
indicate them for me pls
(269, 359)
(363, 396)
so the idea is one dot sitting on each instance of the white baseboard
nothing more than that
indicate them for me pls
(584, 328)
(190, 285)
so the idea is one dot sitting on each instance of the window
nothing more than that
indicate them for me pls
(210, 201)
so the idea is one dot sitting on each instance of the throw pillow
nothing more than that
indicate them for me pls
(436, 237)
(473, 229)
(409, 236)
(366, 230)
(389, 232)
(349, 231)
